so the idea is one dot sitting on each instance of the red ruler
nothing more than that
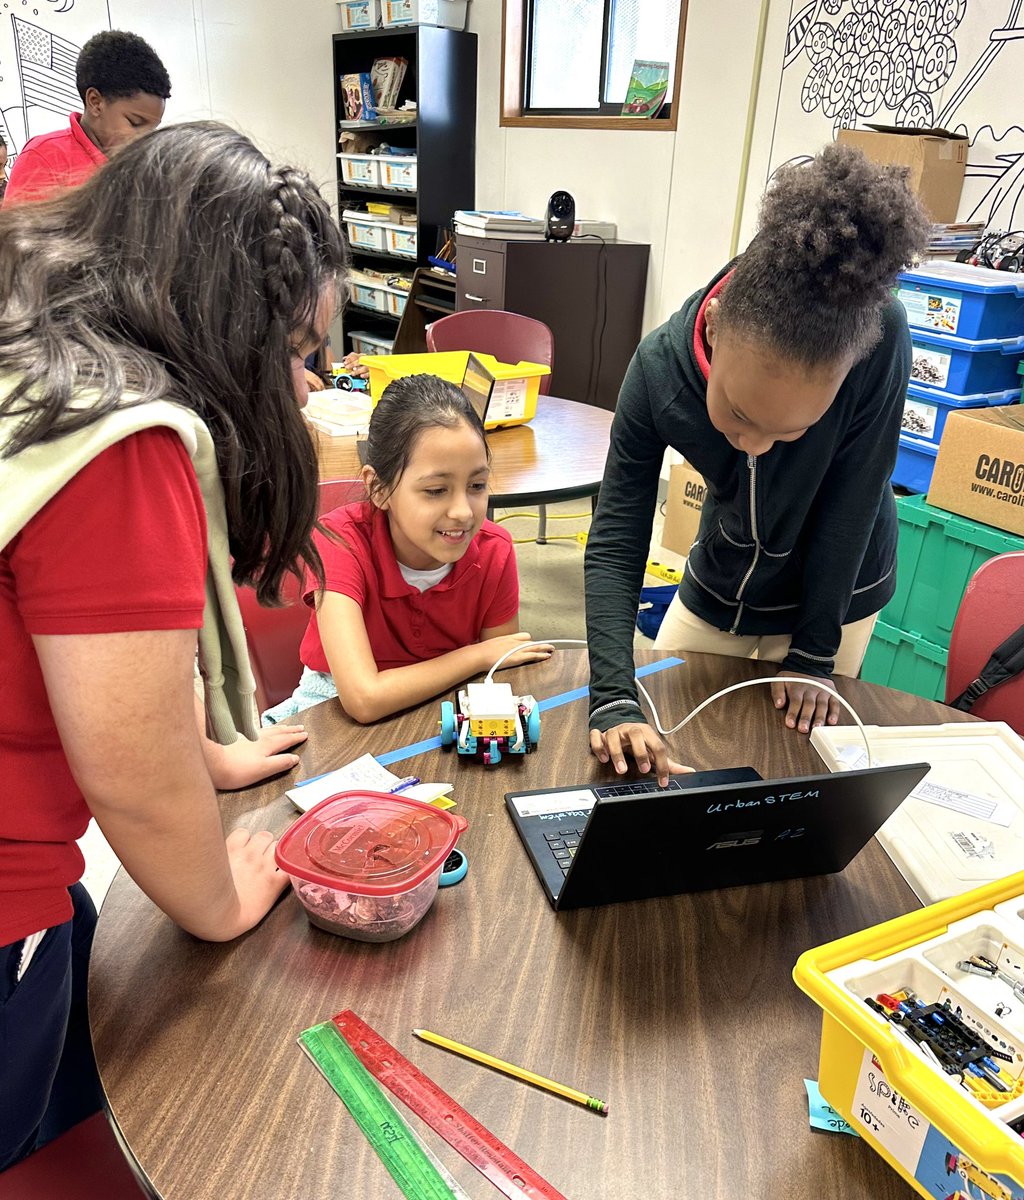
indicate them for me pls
(463, 1132)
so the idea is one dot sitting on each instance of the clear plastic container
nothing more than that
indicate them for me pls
(366, 865)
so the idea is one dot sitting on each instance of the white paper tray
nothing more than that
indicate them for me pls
(977, 835)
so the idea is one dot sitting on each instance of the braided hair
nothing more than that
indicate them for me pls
(187, 269)
(832, 236)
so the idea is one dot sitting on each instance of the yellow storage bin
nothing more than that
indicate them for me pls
(513, 401)
(950, 1135)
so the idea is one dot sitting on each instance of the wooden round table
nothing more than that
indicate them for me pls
(680, 1011)
(558, 455)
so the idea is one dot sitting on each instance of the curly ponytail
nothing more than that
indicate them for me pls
(832, 236)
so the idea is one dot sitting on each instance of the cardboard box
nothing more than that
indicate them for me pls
(937, 160)
(979, 471)
(686, 491)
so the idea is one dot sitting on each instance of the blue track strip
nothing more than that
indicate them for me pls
(434, 743)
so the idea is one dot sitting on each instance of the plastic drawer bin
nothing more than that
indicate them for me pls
(925, 409)
(906, 662)
(963, 366)
(397, 171)
(938, 553)
(359, 14)
(369, 343)
(915, 462)
(396, 303)
(401, 240)
(947, 1139)
(513, 401)
(965, 301)
(451, 13)
(360, 170)
(369, 235)
(374, 298)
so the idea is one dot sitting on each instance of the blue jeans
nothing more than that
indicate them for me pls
(48, 1077)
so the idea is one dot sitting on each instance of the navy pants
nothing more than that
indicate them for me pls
(48, 1078)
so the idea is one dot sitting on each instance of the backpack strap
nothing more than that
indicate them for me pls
(1007, 661)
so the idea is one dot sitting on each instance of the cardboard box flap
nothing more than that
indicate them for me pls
(919, 131)
(979, 470)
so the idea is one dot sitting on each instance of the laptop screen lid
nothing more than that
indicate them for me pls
(695, 837)
(477, 386)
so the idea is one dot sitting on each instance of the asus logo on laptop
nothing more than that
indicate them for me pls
(754, 838)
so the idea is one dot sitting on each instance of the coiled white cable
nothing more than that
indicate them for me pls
(751, 683)
(704, 703)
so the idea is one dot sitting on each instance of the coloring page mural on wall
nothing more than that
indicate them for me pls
(952, 64)
(39, 44)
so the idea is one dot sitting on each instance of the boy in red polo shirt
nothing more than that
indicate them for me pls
(421, 590)
(123, 85)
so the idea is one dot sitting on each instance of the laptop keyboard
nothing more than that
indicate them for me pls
(562, 843)
(640, 787)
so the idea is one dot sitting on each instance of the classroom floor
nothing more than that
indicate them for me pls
(551, 606)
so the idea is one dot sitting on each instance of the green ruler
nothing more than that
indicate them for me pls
(395, 1143)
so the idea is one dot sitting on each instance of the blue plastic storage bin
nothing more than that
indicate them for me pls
(962, 366)
(963, 301)
(915, 461)
(926, 409)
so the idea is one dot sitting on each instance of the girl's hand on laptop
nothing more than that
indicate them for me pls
(640, 741)
(809, 704)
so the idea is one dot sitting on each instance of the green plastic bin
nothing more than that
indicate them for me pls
(906, 662)
(938, 553)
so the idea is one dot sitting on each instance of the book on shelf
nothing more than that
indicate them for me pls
(387, 75)
(498, 219)
(606, 230)
(357, 95)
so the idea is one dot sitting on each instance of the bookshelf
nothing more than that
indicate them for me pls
(441, 77)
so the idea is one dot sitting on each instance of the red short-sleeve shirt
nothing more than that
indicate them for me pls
(404, 625)
(121, 547)
(53, 161)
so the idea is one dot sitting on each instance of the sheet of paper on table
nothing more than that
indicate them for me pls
(365, 773)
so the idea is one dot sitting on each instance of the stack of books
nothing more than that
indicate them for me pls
(517, 226)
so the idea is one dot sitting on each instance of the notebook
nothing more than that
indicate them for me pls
(477, 386)
(604, 843)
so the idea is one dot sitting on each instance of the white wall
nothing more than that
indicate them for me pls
(673, 190)
(261, 65)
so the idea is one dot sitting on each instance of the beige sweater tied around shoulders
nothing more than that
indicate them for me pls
(32, 477)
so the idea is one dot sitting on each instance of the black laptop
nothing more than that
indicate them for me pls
(603, 843)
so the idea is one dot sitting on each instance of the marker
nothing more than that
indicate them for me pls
(488, 1060)
(408, 782)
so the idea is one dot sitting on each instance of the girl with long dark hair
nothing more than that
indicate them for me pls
(153, 325)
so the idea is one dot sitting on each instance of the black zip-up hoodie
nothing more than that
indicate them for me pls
(800, 540)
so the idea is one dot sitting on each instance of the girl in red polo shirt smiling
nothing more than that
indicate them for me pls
(421, 589)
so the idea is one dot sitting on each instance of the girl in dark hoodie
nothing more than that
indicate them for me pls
(782, 382)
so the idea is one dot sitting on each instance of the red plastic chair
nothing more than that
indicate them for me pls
(86, 1163)
(989, 612)
(275, 634)
(508, 337)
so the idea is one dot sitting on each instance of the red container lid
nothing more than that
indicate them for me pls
(368, 843)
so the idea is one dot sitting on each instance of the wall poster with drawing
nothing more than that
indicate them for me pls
(39, 45)
(953, 64)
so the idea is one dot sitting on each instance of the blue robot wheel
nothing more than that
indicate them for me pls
(447, 723)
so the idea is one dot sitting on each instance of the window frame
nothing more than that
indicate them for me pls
(514, 67)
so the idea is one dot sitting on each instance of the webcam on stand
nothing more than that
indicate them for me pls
(561, 217)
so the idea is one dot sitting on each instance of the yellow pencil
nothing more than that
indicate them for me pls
(498, 1064)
